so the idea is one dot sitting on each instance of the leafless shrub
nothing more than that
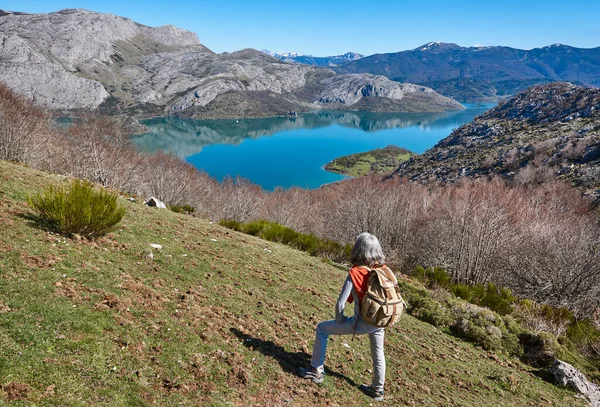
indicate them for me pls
(173, 181)
(511, 158)
(98, 149)
(465, 229)
(534, 174)
(289, 208)
(489, 161)
(541, 318)
(545, 147)
(238, 199)
(576, 147)
(554, 258)
(24, 128)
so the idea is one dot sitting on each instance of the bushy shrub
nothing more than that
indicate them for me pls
(478, 292)
(462, 291)
(431, 311)
(275, 232)
(512, 325)
(439, 277)
(540, 349)
(185, 208)
(486, 328)
(419, 273)
(433, 277)
(78, 209)
(543, 317)
(423, 306)
(255, 228)
(489, 337)
(231, 224)
(585, 335)
(498, 300)
(333, 250)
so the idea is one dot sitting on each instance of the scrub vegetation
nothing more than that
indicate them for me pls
(215, 317)
(381, 160)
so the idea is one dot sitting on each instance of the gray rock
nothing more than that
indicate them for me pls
(45, 56)
(566, 375)
(76, 59)
(351, 88)
(28, 72)
(152, 201)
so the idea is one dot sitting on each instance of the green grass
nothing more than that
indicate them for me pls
(377, 161)
(215, 318)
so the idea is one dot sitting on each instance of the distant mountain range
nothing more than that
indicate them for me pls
(472, 74)
(547, 131)
(76, 59)
(295, 58)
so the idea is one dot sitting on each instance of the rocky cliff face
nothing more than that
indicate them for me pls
(547, 132)
(78, 59)
(349, 90)
(55, 58)
(38, 76)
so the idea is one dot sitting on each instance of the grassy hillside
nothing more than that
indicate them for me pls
(215, 318)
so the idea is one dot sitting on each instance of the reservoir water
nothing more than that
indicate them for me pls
(286, 152)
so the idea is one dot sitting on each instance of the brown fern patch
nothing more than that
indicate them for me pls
(16, 391)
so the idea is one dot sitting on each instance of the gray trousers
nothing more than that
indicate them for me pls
(346, 327)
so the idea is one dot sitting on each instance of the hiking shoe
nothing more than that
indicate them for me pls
(312, 374)
(371, 392)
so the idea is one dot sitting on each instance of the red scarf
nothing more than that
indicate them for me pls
(359, 277)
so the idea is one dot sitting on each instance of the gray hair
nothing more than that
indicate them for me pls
(367, 251)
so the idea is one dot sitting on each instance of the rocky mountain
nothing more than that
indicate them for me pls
(471, 74)
(79, 59)
(547, 131)
(377, 93)
(295, 58)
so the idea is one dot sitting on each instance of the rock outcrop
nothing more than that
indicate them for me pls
(567, 376)
(78, 59)
(45, 56)
(152, 201)
(348, 90)
(547, 132)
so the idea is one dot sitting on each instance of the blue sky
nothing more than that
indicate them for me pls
(331, 27)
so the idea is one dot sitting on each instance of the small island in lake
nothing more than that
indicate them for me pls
(371, 162)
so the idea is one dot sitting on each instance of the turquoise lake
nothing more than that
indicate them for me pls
(286, 152)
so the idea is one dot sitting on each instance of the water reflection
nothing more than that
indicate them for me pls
(185, 137)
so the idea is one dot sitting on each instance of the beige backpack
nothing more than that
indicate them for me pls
(382, 304)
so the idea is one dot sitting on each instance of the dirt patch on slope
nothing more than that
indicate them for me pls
(16, 391)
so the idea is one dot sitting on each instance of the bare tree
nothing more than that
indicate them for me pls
(24, 128)
(98, 148)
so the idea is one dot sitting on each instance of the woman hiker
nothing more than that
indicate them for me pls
(366, 252)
